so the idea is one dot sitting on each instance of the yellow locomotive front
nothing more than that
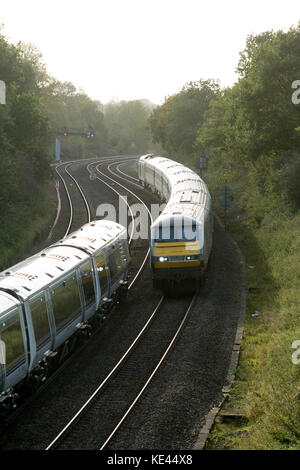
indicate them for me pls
(177, 252)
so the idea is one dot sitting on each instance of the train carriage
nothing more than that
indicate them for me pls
(181, 237)
(48, 301)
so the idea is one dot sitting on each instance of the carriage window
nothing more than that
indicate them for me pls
(65, 301)
(86, 272)
(102, 273)
(40, 320)
(11, 337)
(115, 264)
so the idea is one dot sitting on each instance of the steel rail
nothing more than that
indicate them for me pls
(69, 199)
(120, 195)
(121, 361)
(127, 189)
(171, 344)
(149, 213)
(108, 377)
(81, 192)
(67, 164)
(122, 177)
(125, 174)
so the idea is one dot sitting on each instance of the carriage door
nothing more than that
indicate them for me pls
(103, 274)
(2, 363)
(12, 346)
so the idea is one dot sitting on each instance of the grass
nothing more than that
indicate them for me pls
(22, 225)
(267, 382)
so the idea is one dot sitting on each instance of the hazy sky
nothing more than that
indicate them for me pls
(132, 49)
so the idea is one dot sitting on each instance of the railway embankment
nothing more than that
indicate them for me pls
(24, 231)
(262, 408)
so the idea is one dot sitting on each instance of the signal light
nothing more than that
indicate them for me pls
(65, 132)
(90, 133)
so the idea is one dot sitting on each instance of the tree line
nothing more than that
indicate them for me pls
(37, 106)
(250, 131)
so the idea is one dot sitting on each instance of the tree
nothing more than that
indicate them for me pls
(175, 123)
(127, 126)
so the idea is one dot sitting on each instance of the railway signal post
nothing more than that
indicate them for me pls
(202, 165)
(225, 192)
(2, 92)
(65, 132)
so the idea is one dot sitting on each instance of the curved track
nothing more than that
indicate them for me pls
(191, 380)
(124, 385)
(72, 430)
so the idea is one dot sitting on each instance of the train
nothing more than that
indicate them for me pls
(182, 235)
(51, 302)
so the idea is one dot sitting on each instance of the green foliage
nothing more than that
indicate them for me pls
(175, 123)
(24, 138)
(68, 107)
(255, 123)
(127, 127)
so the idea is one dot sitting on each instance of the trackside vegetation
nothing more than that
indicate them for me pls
(250, 137)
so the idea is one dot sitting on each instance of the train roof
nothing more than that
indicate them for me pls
(39, 271)
(94, 236)
(192, 213)
(7, 303)
(189, 195)
(180, 176)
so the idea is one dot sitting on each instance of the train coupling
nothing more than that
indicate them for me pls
(8, 402)
(84, 329)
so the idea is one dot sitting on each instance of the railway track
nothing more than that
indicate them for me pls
(74, 199)
(68, 181)
(73, 225)
(111, 184)
(171, 410)
(65, 167)
(121, 376)
(101, 416)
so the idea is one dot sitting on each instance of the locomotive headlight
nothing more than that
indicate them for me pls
(160, 259)
(191, 257)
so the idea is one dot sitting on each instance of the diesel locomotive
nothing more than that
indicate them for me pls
(182, 235)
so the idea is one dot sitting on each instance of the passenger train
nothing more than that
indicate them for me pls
(53, 299)
(182, 235)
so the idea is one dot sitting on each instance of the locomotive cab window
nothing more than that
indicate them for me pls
(176, 233)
